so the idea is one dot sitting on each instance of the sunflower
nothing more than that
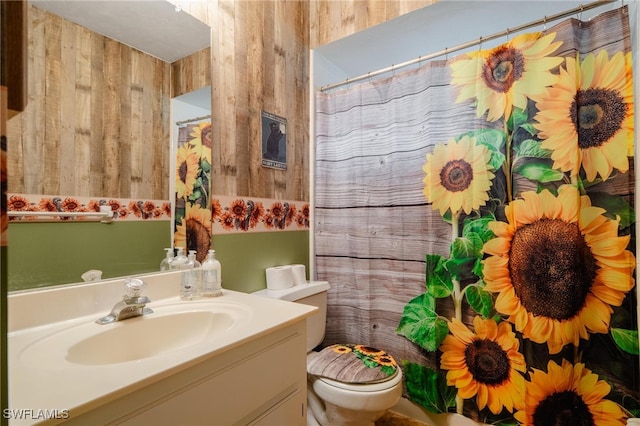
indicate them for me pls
(239, 209)
(187, 169)
(385, 359)
(568, 394)
(458, 176)
(194, 232)
(70, 204)
(558, 266)
(202, 140)
(485, 364)
(368, 350)
(342, 349)
(587, 117)
(503, 77)
(18, 202)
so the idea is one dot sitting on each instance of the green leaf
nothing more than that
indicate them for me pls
(478, 268)
(438, 279)
(627, 340)
(467, 247)
(420, 323)
(517, 119)
(479, 227)
(461, 269)
(538, 171)
(532, 148)
(428, 388)
(388, 370)
(480, 300)
(493, 139)
(464, 252)
(529, 128)
(615, 205)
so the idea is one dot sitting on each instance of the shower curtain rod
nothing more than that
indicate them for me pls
(191, 120)
(446, 51)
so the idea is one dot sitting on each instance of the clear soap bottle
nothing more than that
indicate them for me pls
(166, 263)
(191, 277)
(211, 276)
(179, 260)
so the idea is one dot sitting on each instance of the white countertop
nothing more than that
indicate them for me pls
(53, 383)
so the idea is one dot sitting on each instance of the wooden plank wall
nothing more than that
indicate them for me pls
(97, 121)
(331, 20)
(260, 60)
(191, 73)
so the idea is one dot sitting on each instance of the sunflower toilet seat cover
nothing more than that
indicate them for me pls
(357, 364)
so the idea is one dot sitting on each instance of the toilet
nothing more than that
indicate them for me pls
(348, 384)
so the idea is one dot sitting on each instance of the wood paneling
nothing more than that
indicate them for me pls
(97, 121)
(191, 73)
(260, 61)
(331, 20)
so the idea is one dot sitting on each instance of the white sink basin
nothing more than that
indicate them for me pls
(168, 328)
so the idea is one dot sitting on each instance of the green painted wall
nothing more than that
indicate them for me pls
(42, 254)
(49, 253)
(244, 257)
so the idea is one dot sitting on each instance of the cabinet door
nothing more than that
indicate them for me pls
(262, 382)
(290, 412)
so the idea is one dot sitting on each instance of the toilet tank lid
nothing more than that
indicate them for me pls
(296, 292)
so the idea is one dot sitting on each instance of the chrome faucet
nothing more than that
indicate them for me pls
(133, 304)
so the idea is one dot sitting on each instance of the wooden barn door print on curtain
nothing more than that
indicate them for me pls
(475, 219)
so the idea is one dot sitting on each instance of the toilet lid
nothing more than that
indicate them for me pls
(357, 364)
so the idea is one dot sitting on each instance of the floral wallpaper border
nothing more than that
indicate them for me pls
(236, 214)
(229, 214)
(123, 209)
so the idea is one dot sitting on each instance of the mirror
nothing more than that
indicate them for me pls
(123, 154)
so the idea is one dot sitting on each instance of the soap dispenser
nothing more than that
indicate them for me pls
(180, 259)
(166, 263)
(211, 276)
(191, 277)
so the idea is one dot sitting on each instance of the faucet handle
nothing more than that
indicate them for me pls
(134, 287)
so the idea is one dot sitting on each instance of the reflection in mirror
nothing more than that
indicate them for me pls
(97, 123)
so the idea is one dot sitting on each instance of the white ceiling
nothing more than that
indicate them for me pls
(152, 26)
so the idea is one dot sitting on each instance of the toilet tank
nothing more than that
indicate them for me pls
(312, 293)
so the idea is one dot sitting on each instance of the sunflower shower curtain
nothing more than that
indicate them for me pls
(475, 219)
(192, 224)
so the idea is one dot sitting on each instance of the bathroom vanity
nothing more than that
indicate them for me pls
(235, 359)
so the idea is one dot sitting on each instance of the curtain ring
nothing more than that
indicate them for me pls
(446, 53)
(544, 27)
(480, 43)
(507, 34)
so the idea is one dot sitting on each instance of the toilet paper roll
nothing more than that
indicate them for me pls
(279, 277)
(299, 274)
